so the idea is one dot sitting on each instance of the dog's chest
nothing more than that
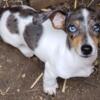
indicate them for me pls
(70, 67)
(52, 48)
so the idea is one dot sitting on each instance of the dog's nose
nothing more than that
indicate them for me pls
(86, 49)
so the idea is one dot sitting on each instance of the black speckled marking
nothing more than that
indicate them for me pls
(68, 43)
(11, 9)
(23, 12)
(38, 16)
(32, 35)
(27, 12)
(12, 24)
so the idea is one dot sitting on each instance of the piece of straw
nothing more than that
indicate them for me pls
(64, 86)
(5, 92)
(75, 4)
(37, 80)
(90, 3)
(6, 1)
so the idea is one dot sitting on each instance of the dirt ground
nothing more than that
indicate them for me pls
(17, 74)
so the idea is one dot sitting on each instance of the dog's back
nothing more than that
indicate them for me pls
(20, 27)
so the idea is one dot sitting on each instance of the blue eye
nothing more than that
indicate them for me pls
(96, 28)
(72, 28)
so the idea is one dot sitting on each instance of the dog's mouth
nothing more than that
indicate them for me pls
(86, 56)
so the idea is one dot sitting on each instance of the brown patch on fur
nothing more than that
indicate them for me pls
(96, 41)
(77, 23)
(76, 41)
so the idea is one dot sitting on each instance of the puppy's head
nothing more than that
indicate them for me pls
(83, 29)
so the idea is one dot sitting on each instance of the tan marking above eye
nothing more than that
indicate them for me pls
(77, 23)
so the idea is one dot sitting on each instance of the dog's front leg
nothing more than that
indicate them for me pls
(49, 80)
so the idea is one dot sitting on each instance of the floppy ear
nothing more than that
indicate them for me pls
(58, 20)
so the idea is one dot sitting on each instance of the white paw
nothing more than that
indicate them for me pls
(51, 90)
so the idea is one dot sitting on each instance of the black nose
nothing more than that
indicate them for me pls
(86, 49)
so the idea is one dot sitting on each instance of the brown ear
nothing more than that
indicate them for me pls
(58, 20)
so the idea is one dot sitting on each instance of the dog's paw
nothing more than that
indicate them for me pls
(51, 90)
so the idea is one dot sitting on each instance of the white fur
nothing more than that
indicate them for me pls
(85, 14)
(59, 60)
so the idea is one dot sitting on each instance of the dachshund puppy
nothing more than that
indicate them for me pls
(66, 43)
